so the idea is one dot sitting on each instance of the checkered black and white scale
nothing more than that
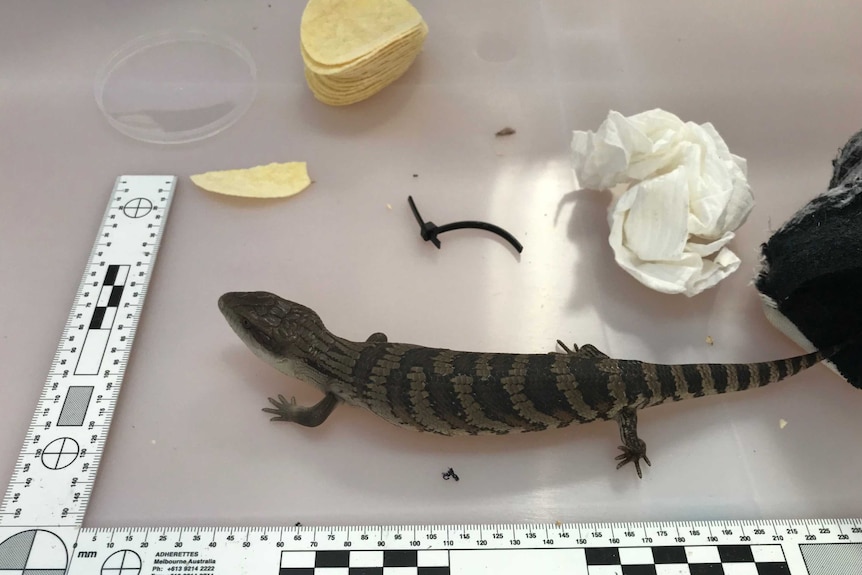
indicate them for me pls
(407, 562)
(667, 560)
(693, 560)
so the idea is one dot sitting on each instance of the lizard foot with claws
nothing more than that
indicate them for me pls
(633, 455)
(633, 447)
(313, 416)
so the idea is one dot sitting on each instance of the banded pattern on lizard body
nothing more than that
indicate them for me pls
(466, 393)
(453, 393)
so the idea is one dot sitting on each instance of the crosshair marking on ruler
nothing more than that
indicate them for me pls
(60, 453)
(137, 207)
(124, 562)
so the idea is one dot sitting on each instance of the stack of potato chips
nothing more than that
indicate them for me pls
(352, 49)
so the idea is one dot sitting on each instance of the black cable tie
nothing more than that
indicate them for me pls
(429, 231)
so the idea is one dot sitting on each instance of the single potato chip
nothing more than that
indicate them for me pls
(335, 32)
(271, 181)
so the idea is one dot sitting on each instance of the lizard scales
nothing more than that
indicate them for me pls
(467, 393)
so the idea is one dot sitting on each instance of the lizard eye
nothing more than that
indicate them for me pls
(245, 323)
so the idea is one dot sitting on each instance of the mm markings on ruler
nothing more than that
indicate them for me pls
(55, 471)
(42, 513)
(734, 548)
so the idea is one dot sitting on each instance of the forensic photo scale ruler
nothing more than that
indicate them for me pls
(42, 513)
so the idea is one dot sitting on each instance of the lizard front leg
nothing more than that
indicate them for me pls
(633, 447)
(308, 416)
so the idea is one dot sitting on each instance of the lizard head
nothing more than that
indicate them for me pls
(277, 330)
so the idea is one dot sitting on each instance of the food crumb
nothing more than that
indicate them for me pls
(388, 206)
(709, 340)
(507, 131)
(782, 423)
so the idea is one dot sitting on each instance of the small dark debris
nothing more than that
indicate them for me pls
(415, 175)
(507, 131)
(298, 524)
(451, 474)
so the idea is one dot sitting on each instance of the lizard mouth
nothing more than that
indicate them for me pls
(225, 301)
(228, 310)
(228, 305)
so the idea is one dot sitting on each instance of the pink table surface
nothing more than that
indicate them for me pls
(189, 446)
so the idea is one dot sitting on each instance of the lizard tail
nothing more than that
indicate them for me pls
(696, 380)
(767, 372)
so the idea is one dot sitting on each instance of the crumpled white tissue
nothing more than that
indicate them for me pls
(679, 194)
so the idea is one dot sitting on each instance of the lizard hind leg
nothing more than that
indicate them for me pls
(633, 447)
(312, 416)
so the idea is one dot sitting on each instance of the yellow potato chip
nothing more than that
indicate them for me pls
(335, 93)
(271, 181)
(352, 49)
(366, 64)
(385, 74)
(392, 57)
(335, 32)
(348, 87)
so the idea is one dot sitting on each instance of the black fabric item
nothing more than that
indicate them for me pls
(849, 159)
(812, 266)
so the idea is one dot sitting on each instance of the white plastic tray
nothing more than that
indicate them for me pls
(189, 444)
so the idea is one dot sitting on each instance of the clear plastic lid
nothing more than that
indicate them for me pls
(177, 86)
